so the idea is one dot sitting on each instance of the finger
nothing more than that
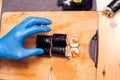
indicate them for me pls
(31, 21)
(35, 29)
(32, 52)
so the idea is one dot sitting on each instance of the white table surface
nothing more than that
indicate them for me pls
(101, 4)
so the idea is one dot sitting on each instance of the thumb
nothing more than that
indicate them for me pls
(33, 52)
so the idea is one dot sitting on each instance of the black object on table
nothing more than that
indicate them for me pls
(70, 5)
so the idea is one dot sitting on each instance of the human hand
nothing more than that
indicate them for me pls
(11, 45)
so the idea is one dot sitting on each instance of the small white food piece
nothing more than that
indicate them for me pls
(74, 52)
(68, 55)
(74, 41)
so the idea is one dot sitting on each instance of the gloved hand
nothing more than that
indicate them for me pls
(11, 45)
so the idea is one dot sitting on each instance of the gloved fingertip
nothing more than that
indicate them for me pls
(45, 21)
(48, 29)
(49, 21)
(39, 51)
(38, 19)
(44, 29)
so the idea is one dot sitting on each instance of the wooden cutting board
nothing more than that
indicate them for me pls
(82, 24)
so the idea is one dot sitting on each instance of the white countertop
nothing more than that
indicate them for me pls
(101, 4)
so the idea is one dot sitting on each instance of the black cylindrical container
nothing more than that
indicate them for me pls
(58, 50)
(59, 40)
(82, 4)
(43, 40)
(114, 5)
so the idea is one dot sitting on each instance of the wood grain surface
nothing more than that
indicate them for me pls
(109, 48)
(81, 24)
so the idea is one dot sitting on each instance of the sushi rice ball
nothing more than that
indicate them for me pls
(74, 41)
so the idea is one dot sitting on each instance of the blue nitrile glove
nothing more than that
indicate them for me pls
(11, 45)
